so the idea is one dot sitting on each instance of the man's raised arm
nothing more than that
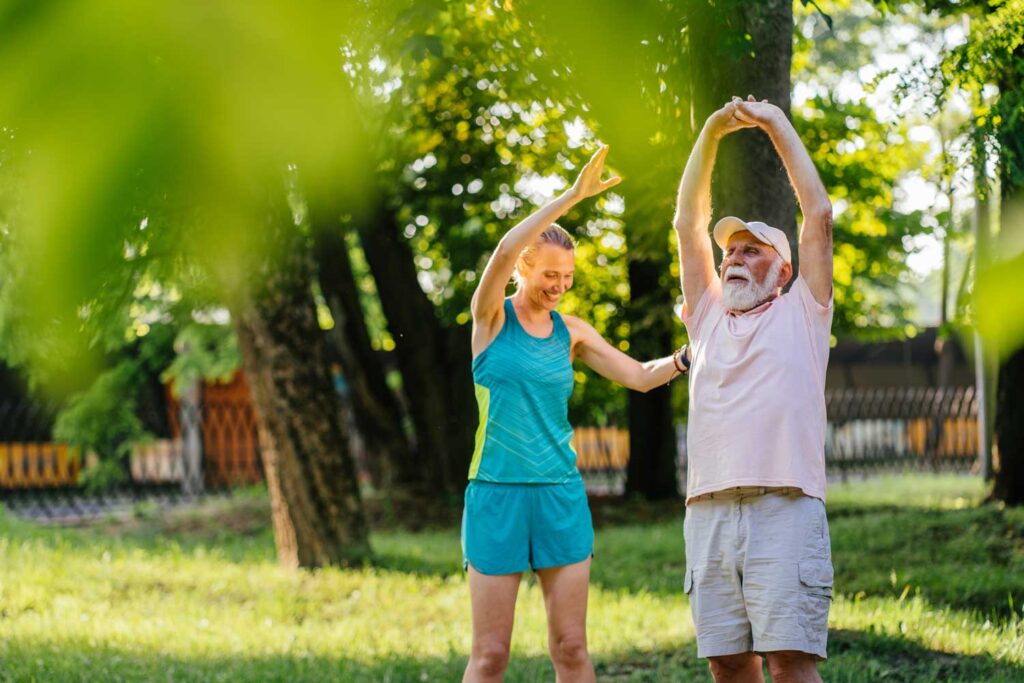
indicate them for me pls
(816, 231)
(693, 206)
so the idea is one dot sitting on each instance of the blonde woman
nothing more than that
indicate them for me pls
(526, 507)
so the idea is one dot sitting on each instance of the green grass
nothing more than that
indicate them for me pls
(929, 587)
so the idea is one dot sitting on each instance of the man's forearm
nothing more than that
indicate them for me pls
(810, 191)
(693, 203)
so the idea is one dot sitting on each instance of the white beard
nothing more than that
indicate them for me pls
(743, 296)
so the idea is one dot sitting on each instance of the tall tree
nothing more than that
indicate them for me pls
(377, 412)
(740, 48)
(1009, 420)
(638, 93)
(1008, 485)
(993, 55)
(460, 117)
(316, 507)
(434, 359)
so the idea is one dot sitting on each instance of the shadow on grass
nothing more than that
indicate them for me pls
(970, 559)
(78, 663)
(854, 657)
(75, 662)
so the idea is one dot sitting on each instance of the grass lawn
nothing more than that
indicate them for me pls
(929, 586)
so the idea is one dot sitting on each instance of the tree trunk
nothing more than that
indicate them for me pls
(750, 180)
(378, 416)
(434, 362)
(651, 471)
(1009, 468)
(460, 395)
(317, 510)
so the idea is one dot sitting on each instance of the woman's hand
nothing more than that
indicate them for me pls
(589, 182)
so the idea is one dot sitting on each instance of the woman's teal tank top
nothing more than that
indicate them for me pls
(523, 384)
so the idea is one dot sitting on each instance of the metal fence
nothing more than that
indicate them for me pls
(901, 429)
(869, 431)
(212, 445)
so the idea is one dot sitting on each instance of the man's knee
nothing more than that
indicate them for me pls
(730, 665)
(491, 657)
(790, 665)
(569, 651)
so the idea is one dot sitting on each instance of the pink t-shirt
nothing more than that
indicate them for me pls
(757, 393)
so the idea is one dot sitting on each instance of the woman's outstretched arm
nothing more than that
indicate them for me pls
(606, 360)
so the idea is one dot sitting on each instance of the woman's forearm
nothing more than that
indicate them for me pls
(529, 229)
(655, 373)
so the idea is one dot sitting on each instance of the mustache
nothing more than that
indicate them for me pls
(741, 271)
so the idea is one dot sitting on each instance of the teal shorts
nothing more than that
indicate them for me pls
(509, 528)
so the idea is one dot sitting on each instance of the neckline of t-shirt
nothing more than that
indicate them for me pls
(760, 308)
(515, 316)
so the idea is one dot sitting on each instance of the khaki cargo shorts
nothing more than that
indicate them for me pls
(758, 572)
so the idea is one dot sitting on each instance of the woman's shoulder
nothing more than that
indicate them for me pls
(571, 321)
(578, 327)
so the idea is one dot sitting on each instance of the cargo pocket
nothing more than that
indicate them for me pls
(816, 577)
(688, 580)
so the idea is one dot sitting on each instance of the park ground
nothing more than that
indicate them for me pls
(929, 587)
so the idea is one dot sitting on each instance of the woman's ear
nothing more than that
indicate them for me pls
(518, 276)
(523, 268)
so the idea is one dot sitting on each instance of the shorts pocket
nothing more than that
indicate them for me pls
(816, 576)
(688, 580)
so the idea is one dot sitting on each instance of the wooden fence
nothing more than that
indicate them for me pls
(601, 448)
(38, 465)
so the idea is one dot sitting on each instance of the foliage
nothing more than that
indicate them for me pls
(117, 410)
(103, 420)
(461, 117)
(988, 68)
(473, 140)
(203, 351)
(865, 156)
(994, 56)
(861, 161)
(196, 595)
(157, 147)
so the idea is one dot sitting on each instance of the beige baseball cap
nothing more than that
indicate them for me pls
(775, 238)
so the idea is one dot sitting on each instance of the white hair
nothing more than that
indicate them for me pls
(743, 296)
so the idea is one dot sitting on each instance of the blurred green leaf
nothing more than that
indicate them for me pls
(162, 128)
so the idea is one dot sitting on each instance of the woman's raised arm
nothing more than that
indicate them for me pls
(486, 306)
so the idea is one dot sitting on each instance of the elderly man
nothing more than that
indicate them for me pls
(758, 561)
